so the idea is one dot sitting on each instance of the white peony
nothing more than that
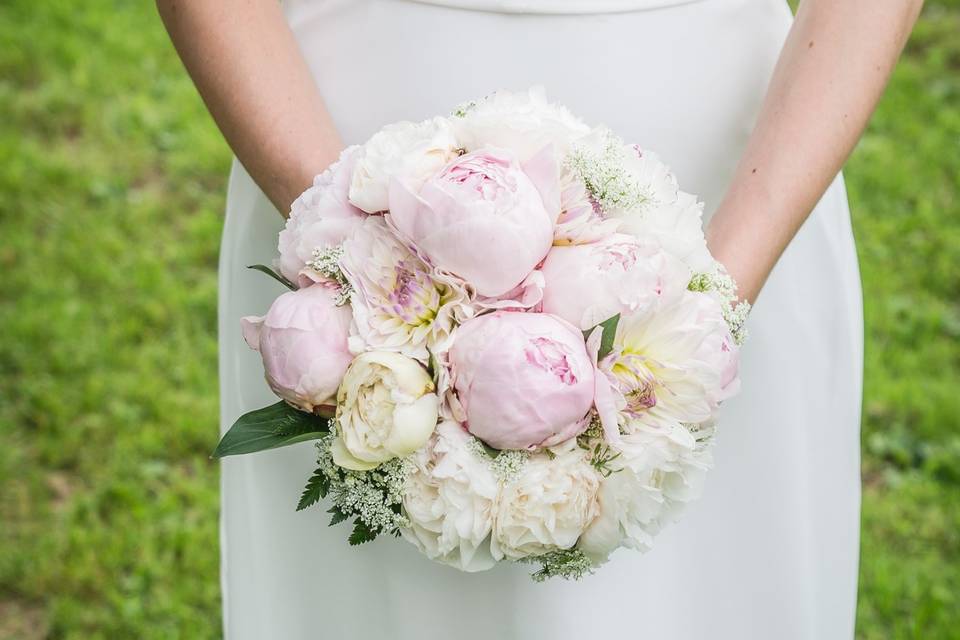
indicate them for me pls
(548, 505)
(656, 473)
(522, 122)
(386, 408)
(408, 151)
(667, 215)
(672, 363)
(399, 302)
(449, 501)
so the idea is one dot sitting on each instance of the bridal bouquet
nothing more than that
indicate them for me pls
(505, 334)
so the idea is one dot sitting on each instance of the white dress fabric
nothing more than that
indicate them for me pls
(771, 550)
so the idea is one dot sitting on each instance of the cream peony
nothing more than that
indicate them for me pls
(409, 151)
(522, 122)
(386, 408)
(449, 500)
(399, 302)
(658, 470)
(548, 505)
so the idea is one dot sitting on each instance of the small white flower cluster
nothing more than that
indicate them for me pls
(735, 311)
(602, 170)
(506, 465)
(569, 564)
(326, 262)
(374, 497)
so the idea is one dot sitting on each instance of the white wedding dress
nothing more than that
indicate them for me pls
(770, 552)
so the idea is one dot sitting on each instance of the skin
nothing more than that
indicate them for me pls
(833, 68)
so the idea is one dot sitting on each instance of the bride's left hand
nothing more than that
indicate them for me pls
(830, 75)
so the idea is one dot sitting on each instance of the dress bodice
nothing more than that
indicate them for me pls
(557, 6)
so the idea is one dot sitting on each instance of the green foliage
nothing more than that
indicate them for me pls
(262, 268)
(317, 487)
(111, 197)
(278, 425)
(608, 334)
(362, 532)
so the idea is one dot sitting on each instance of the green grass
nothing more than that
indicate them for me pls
(111, 190)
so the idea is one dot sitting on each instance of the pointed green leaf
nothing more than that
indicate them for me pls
(607, 336)
(338, 515)
(609, 333)
(316, 488)
(361, 533)
(262, 268)
(275, 426)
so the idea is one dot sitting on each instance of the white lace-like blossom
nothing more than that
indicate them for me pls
(634, 187)
(581, 221)
(656, 472)
(449, 500)
(399, 303)
(548, 504)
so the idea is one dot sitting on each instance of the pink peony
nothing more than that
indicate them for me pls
(589, 283)
(485, 217)
(523, 380)
(321, 218)
(303, 343)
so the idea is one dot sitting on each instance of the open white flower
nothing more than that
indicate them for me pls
(386, 408)
(548, 505)
(400, 303)
(657, 471)
(449, 501)
(523, 122)
(671, 362)
(408, 151)
(671, 217)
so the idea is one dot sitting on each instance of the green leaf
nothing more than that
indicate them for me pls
(490, 451)
(361, 533)
(338, 515)
(275, 426)
(317, 487)
(606, 338)
(262, 268)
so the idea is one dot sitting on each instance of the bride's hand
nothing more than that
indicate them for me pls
(833, 68)
(246, 64)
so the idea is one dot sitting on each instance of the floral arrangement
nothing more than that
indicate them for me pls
(505, 334)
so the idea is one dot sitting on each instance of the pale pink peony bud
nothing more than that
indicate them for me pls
(589, 283)
(485, 217)
(303, 343)
(523, 380)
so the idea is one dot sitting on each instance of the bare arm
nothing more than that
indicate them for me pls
(256, 84)
(833, 68)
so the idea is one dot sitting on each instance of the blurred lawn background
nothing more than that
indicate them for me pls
(112, 182)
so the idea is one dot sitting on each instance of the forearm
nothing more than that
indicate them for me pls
(256, 84)
(830, 75)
